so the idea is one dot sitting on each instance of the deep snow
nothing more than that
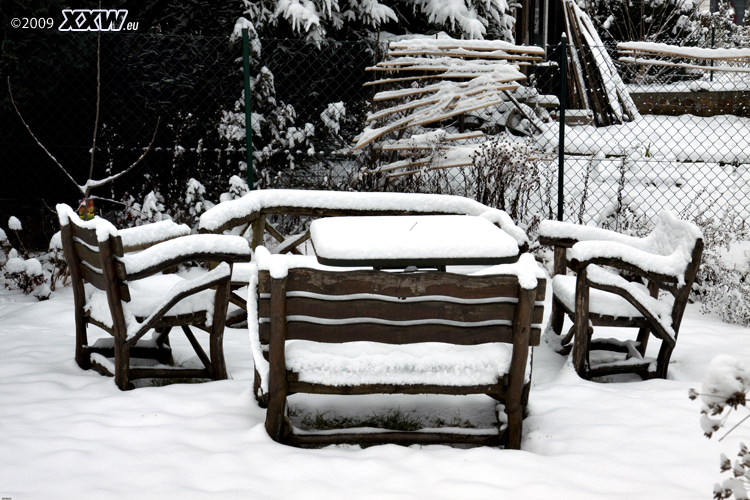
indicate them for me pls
(68, 433)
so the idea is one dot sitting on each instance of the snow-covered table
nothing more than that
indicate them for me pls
(397, 242)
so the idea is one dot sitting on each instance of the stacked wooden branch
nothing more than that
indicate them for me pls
(662, 54)
(435, 80)
(593, 81)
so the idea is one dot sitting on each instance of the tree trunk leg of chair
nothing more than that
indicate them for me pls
(277, 383)
(643, 336)
(260, 396)
(216, 341)
(557, 317)
(162, 339)
(515, 398)
(83, 357)
(662, 362)
(122, 363)
(582, 337)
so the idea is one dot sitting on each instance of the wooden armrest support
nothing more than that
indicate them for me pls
(221, 274)
(196, 257)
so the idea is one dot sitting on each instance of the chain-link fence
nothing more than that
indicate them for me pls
(687, 149)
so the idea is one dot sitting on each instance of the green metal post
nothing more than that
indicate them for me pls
(248, 107)
(713, 33)
(561, 146)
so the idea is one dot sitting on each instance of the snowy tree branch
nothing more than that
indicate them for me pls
(80, 188)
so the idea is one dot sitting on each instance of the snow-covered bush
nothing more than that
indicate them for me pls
(720, 287)
(21, 271)
(508, 175)
(725, 387)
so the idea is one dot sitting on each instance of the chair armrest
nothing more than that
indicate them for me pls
(669, 269)
(197, 247)
(565, 234)
(220, 274)
(142, 237)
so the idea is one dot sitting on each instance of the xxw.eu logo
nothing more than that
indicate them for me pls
(95, 20)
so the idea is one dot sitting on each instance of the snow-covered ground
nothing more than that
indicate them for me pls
(66, 433)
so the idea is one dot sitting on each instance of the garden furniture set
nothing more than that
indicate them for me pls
(406, 294)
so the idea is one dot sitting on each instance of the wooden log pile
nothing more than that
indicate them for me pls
(689, 58)
(426, 81)
(593, 80)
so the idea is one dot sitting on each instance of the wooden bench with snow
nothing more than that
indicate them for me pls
(666, 260)
(730, 60)
(354, 332)
(119, 287)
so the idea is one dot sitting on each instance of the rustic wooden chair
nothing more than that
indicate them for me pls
(126, 295)
(666, 260)
(388, 315)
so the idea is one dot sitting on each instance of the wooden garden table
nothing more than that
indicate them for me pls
(398, 242)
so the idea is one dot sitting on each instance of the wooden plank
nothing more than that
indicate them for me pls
(654, 62)
(143, 372)
(395, 284)
(398, 335)
(277, 383)
(467, 45)
(86, 254)
(389, 437)
(86, 235)
(496, 55)
(516, 376)
(295, 386)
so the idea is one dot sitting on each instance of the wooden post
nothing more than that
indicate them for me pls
(120, 330)
(581, 343)
(259, 230)
(83, 358)
(517, 374)
(557, 316)
(277, 386)
(216, 342)
(645, 332)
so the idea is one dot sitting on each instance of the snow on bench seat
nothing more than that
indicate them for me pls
(432, 363)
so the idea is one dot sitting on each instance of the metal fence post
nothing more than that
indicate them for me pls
(561, 146)
(248, 108)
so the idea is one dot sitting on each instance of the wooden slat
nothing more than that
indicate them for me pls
(389, 334)
(84, 234)
(398, 312)
(395, 284)
(86, 254)
(395, 438)
(295, 386)
(136, 373)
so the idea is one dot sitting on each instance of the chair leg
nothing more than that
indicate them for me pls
(216, 341)
(582, 337)
(662, 362)
(557, 316)
(83, 357)
(122, 363)
(643, 336)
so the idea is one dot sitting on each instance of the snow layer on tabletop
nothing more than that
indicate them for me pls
(666, 250)
(149, 233)
(186, 246)
(418, 237)
(356, 363)
(526, 269)
(258, 200)
(148, 295)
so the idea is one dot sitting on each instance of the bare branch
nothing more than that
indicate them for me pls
(98, 95)
(91, 184)
(80, 188)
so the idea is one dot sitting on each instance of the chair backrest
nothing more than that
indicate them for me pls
(87, 256)
(397, 308)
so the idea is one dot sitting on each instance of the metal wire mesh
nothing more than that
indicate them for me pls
(688, 151)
